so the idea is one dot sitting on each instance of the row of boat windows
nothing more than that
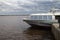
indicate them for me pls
(42, 17)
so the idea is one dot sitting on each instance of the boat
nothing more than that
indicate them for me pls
(41, 19)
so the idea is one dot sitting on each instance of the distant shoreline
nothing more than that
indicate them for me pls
(14, 15)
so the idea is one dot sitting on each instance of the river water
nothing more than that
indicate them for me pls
(14, 28)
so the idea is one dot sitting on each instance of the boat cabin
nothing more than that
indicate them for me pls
(42, 16)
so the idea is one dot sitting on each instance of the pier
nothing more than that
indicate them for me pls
(56, 31)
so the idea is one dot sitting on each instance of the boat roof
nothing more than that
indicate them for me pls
(42, 14)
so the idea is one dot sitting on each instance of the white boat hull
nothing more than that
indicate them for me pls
(47, 23)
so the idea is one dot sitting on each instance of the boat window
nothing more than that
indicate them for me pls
(34, 17)
(49, 17)
(40, 17)
(31, 17)
(44, 17)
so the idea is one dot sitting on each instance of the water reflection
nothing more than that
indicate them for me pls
(36, 33)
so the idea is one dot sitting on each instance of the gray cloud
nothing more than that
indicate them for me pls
(28, 7)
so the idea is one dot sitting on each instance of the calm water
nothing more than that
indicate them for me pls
(13, 28)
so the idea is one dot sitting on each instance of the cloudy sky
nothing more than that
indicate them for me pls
(25, 6)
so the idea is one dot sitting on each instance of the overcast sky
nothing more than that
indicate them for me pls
(25, 0)
(24, 6)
